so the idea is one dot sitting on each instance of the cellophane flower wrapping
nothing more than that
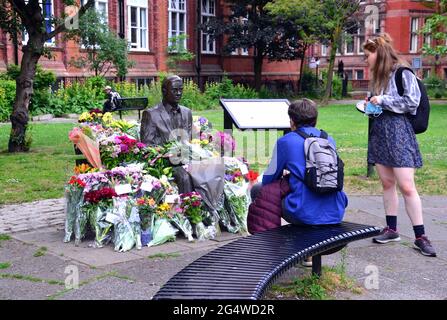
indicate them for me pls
(73, 212)
(127, 229)
(225, 220)
(203, 232)
(236, 189)
(103, 229)
(162, 231)
(179, 220)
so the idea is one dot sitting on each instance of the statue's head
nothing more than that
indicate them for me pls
(172, 89)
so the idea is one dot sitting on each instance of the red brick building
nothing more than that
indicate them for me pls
(147, 25)
(402, 20)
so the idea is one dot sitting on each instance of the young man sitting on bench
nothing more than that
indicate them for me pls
(301, 205)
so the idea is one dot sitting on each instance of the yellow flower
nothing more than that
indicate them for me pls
(204, 142)
(85, 116)
(195, 141)
(151, 202)
(107, 118)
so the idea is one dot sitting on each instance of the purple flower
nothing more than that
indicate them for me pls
(229, 177)
(124, 148)
(202, 120)
(140, 145)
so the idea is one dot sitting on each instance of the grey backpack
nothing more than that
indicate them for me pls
(324, 168)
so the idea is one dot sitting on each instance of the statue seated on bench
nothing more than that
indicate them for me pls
(169, 121)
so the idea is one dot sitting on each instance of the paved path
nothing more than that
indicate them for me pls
(138, 274)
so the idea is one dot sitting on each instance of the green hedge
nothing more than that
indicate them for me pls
(7, 96)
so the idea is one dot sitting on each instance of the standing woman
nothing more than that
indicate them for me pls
(392, 145)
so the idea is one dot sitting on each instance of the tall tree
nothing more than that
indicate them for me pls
(332, 18)
(305, 17)
(105, 50)
(436, 27)
(250, 26)
(16, 15)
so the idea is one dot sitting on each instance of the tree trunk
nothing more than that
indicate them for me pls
(300, 80)
(24, 90)
(258, 61)
(330, 71)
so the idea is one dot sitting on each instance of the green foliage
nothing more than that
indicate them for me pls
(436, 26)
(41, 98)
(76, 97)
(336, 85)
(7, 96)
(310, 85)
(177, 52)
(436, 87)
(104, 49)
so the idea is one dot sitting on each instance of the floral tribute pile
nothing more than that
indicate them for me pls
(127, 195)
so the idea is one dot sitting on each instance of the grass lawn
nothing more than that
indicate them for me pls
(41, 173)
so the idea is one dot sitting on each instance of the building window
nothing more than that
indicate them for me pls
(102, 8)
(425, 73)
(141, 82)
(47, 13)
(208, 11)
(360, 39)
(324, 49)
(137, 33)
(177, 21)
(241, 51)
(349, 45)
(359, 74)
(349, 74)
(427, 37)
(414, 34)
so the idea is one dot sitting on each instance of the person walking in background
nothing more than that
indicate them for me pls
(392, 146)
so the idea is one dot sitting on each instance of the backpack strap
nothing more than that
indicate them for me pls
(398, 79)
(302, 134)
(323, 134)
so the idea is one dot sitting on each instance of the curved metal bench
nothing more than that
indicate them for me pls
(245, 268)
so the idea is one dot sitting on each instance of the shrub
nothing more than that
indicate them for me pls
(193, 98)
(435, 87)
(7, 97)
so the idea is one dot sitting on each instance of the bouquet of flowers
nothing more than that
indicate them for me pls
(94, 115)
(201, 124)
(225, 219)
(132, 176)
(156, 160)
(97, 204)
(94, 180)
(179, 220)
(73, 202)
(236, 191)
(84, 168)
(127, 231)
(119, 149)
(153, 188)
(146, 208)
(192, 206)
(162, 230)
(224, 143)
